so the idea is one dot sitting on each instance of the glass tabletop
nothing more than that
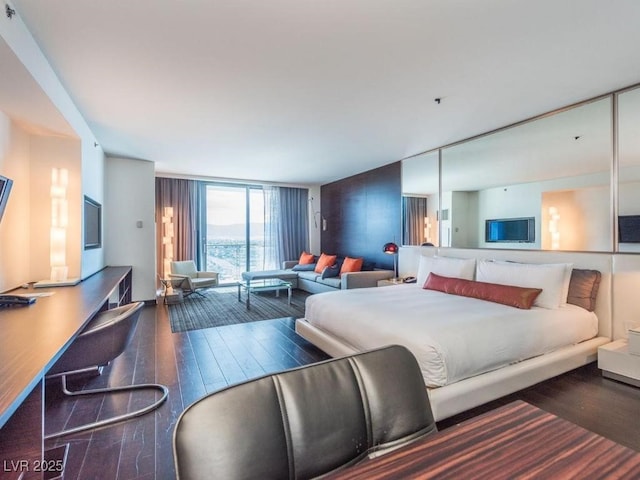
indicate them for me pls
(268, 283)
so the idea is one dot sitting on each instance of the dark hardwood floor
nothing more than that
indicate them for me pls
(194, 363)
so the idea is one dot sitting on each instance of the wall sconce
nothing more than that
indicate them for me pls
(167, 240)
(554, 219)
(58, 232)
(427, 229)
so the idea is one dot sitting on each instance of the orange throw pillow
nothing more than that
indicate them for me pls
(325, 261)
(306, 258)
(351, 265)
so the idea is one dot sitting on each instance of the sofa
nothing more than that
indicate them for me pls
(312, 282)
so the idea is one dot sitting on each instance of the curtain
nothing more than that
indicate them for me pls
(286, 224)
(181, 195)
(414, 211)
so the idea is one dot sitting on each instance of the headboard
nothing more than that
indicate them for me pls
(409, 260)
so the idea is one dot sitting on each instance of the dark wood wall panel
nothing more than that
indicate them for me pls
(363, 213)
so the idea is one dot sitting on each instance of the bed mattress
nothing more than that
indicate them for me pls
(452, 337)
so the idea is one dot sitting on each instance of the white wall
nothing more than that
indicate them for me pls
(47, 153)
(91, 174)
(130, 198)
(14, 227)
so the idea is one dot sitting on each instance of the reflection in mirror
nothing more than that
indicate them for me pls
(547, 182)
(420, 199)
(629, 171)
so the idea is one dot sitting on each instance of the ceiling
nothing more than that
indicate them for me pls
(311, 91)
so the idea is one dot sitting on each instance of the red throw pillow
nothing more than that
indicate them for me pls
(306, 258)
(513, 296)
(351, 265)
(325, 261)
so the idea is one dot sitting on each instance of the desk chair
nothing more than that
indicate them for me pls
(305, 422)
(186, 277)
(104, 338)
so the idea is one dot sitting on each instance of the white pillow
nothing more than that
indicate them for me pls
(568, 270)
(445, 266)
(549, 277)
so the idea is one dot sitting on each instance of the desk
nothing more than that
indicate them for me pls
(32, 339)
(514, 441)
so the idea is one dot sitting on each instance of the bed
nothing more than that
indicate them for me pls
(470, 350)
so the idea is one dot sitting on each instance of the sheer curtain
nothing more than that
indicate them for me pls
(181, 195)
(286, 224)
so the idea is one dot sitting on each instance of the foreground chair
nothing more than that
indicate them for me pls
(305, 422)
(103, 339)
(186, 277)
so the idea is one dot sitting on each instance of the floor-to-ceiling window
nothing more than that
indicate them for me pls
(231, 229)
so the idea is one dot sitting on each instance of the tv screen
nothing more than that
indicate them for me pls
(629, 229)
(92, 224)
(510, 230)
(5, 189)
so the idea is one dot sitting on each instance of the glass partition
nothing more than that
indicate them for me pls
(554, 172)
(420, 199)
(629, 171)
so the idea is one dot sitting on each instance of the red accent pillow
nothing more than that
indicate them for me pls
(513, 296)
(306, 258)
(325, 261)
(351, 265)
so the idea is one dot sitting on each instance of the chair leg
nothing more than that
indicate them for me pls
(112, 420)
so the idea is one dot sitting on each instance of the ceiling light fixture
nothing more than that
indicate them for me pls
(437, 100)
(10, 11)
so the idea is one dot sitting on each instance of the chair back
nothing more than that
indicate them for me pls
(305, 422)
(103, 339)
(184, 267)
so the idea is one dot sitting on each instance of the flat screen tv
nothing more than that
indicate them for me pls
(5, 189)
(521, 230)
(92, 224)
(629, 229)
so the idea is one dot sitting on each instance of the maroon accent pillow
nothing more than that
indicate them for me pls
(513, 296)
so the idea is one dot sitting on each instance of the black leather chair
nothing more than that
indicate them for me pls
(104, 338)
(305, 422)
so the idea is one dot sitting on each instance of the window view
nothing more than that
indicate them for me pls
(234, 230)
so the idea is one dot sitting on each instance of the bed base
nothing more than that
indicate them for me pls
(466, 394)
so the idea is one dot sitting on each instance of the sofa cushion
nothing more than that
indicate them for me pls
(331, 272)
(331, 282)
(325, 261)
(311, 276)
(306, 258)
(351, 265)
(304, 267)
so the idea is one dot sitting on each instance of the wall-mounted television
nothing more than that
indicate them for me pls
(521, 230)
(629, 229)
(5, 189)
(92, 224)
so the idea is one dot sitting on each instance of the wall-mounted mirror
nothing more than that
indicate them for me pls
(420, 199)
(629, 171)
(544, 184)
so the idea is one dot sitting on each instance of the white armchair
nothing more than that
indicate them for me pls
(185, 276)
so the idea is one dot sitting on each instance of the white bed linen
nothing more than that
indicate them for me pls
(452, 337)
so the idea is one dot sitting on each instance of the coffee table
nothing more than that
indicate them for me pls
(266, 285)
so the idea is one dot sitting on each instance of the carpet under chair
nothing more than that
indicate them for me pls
(220, 306)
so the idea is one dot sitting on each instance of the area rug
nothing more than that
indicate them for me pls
(220, 306)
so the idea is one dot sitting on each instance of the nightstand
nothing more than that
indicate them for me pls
(617, 363)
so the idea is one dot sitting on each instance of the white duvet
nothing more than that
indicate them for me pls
(452, 337)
